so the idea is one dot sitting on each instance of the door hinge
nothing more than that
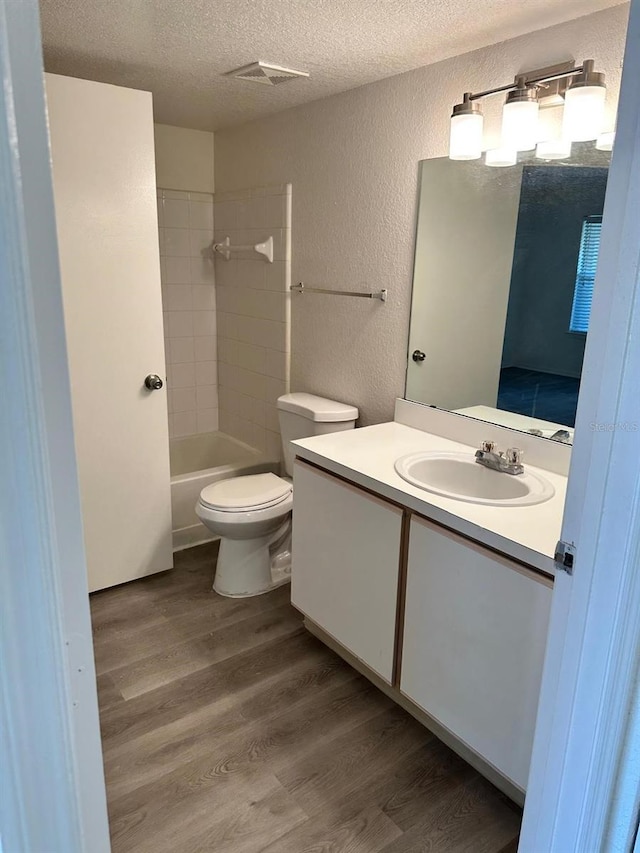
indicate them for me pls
(565, 556)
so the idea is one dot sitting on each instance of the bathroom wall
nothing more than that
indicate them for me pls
(184, 158)
(353, 159)
(253, 314)
(185, 222)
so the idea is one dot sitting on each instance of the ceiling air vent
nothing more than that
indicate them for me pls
(264, 72)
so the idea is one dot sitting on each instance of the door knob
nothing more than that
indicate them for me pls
(418, 355)
(153, 382)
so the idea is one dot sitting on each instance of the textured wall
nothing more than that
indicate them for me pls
(184, 158)
(353, 162)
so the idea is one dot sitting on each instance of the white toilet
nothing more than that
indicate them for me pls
(252, 514)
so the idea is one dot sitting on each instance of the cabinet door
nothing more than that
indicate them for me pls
(474, 641)
(346, 549)
(105, 200)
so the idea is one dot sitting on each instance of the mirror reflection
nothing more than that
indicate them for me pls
(504, 269)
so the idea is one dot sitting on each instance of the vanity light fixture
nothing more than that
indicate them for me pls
(465, 139)
(501, 157)
(584, 104)
(605, 141)
(520, 117)
(551, 144)
(553, 149)
(580, 88)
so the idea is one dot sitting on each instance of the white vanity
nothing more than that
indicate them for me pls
(443, 603)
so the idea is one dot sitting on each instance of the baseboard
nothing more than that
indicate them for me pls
(187, 537)
(476, 761)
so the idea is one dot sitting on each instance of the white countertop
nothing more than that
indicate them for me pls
(366, 457)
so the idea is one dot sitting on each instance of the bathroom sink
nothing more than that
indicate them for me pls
(460, 477)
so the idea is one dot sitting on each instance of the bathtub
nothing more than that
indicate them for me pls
(196, 461)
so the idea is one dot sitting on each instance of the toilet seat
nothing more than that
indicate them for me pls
(249, 493)
(247, 517)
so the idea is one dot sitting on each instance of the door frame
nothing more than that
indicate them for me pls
(583, 781)
(51, 773)
(585, 772)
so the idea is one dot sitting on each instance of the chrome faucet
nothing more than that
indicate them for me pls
(508, 463)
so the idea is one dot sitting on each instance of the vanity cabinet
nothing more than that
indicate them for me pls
(452, 630)
(346, 554)
(474, 640)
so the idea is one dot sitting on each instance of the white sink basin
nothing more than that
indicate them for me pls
(459, 476)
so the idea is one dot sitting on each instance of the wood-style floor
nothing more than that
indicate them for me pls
(227, 727)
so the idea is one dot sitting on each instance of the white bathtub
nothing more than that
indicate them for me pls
(196, 461)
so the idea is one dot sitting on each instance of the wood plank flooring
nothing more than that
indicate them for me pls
(227, 727)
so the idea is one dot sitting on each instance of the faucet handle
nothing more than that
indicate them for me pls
(514, 456)
(488, 446)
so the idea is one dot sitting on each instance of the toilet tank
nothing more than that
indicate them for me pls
(303, 415)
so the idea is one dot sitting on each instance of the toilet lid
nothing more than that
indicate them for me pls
(254, 491)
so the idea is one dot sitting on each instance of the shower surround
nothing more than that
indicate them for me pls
(225, 368)
(253, 314)
(185, 221)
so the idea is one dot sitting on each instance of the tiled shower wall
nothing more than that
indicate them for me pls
(253, 314)
(189, 304)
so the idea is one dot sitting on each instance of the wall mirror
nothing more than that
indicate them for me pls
(504, 267)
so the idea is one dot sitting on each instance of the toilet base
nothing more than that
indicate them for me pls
(248, 567)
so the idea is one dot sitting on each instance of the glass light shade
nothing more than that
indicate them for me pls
(583, 113)
(465, 139)
(520, 125)
(605, 141)
(553, 149)
(550, 121)
(501, 157)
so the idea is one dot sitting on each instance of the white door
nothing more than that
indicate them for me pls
(105, 201)
(477, 215)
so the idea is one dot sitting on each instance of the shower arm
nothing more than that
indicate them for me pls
(265, 248)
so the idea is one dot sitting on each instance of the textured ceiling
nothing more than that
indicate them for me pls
(178, 49)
